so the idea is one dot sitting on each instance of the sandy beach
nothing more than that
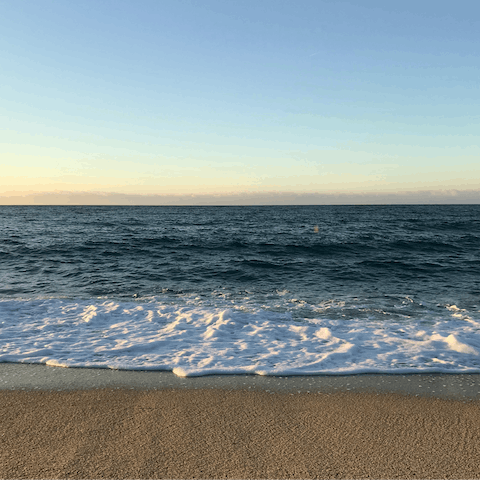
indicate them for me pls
(242, 432)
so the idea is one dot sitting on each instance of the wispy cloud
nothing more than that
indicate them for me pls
(258, 198)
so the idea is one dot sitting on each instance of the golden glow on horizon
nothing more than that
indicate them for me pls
(298, 177)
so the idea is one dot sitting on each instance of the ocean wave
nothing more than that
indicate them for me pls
(276, 334)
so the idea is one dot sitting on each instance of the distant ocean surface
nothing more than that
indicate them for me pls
(282, 290)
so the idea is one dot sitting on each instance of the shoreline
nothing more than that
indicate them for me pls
(455, 386)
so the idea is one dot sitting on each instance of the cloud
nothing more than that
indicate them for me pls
(257, 198)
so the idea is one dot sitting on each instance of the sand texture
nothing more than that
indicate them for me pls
(218, 433)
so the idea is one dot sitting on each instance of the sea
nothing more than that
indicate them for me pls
(265, 290)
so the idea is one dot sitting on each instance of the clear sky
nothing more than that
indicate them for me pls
(239, 101)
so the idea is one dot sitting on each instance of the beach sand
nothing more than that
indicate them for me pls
(236, 433)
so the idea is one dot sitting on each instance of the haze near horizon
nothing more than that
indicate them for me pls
(270, 102)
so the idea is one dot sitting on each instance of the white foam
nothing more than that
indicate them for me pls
(195, 336)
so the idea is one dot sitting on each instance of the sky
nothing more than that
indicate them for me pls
(242, 102)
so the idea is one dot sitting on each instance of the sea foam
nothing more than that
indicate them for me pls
(197, 336)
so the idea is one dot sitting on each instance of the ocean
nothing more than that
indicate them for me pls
(267, 290)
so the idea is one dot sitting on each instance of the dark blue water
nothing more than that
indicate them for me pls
(368, 251)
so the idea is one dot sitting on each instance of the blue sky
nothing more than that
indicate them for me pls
(239, 98)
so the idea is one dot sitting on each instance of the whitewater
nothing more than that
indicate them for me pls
(192, 336)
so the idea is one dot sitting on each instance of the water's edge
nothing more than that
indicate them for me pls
(463, 387)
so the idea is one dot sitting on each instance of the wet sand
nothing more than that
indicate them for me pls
(236, 429)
